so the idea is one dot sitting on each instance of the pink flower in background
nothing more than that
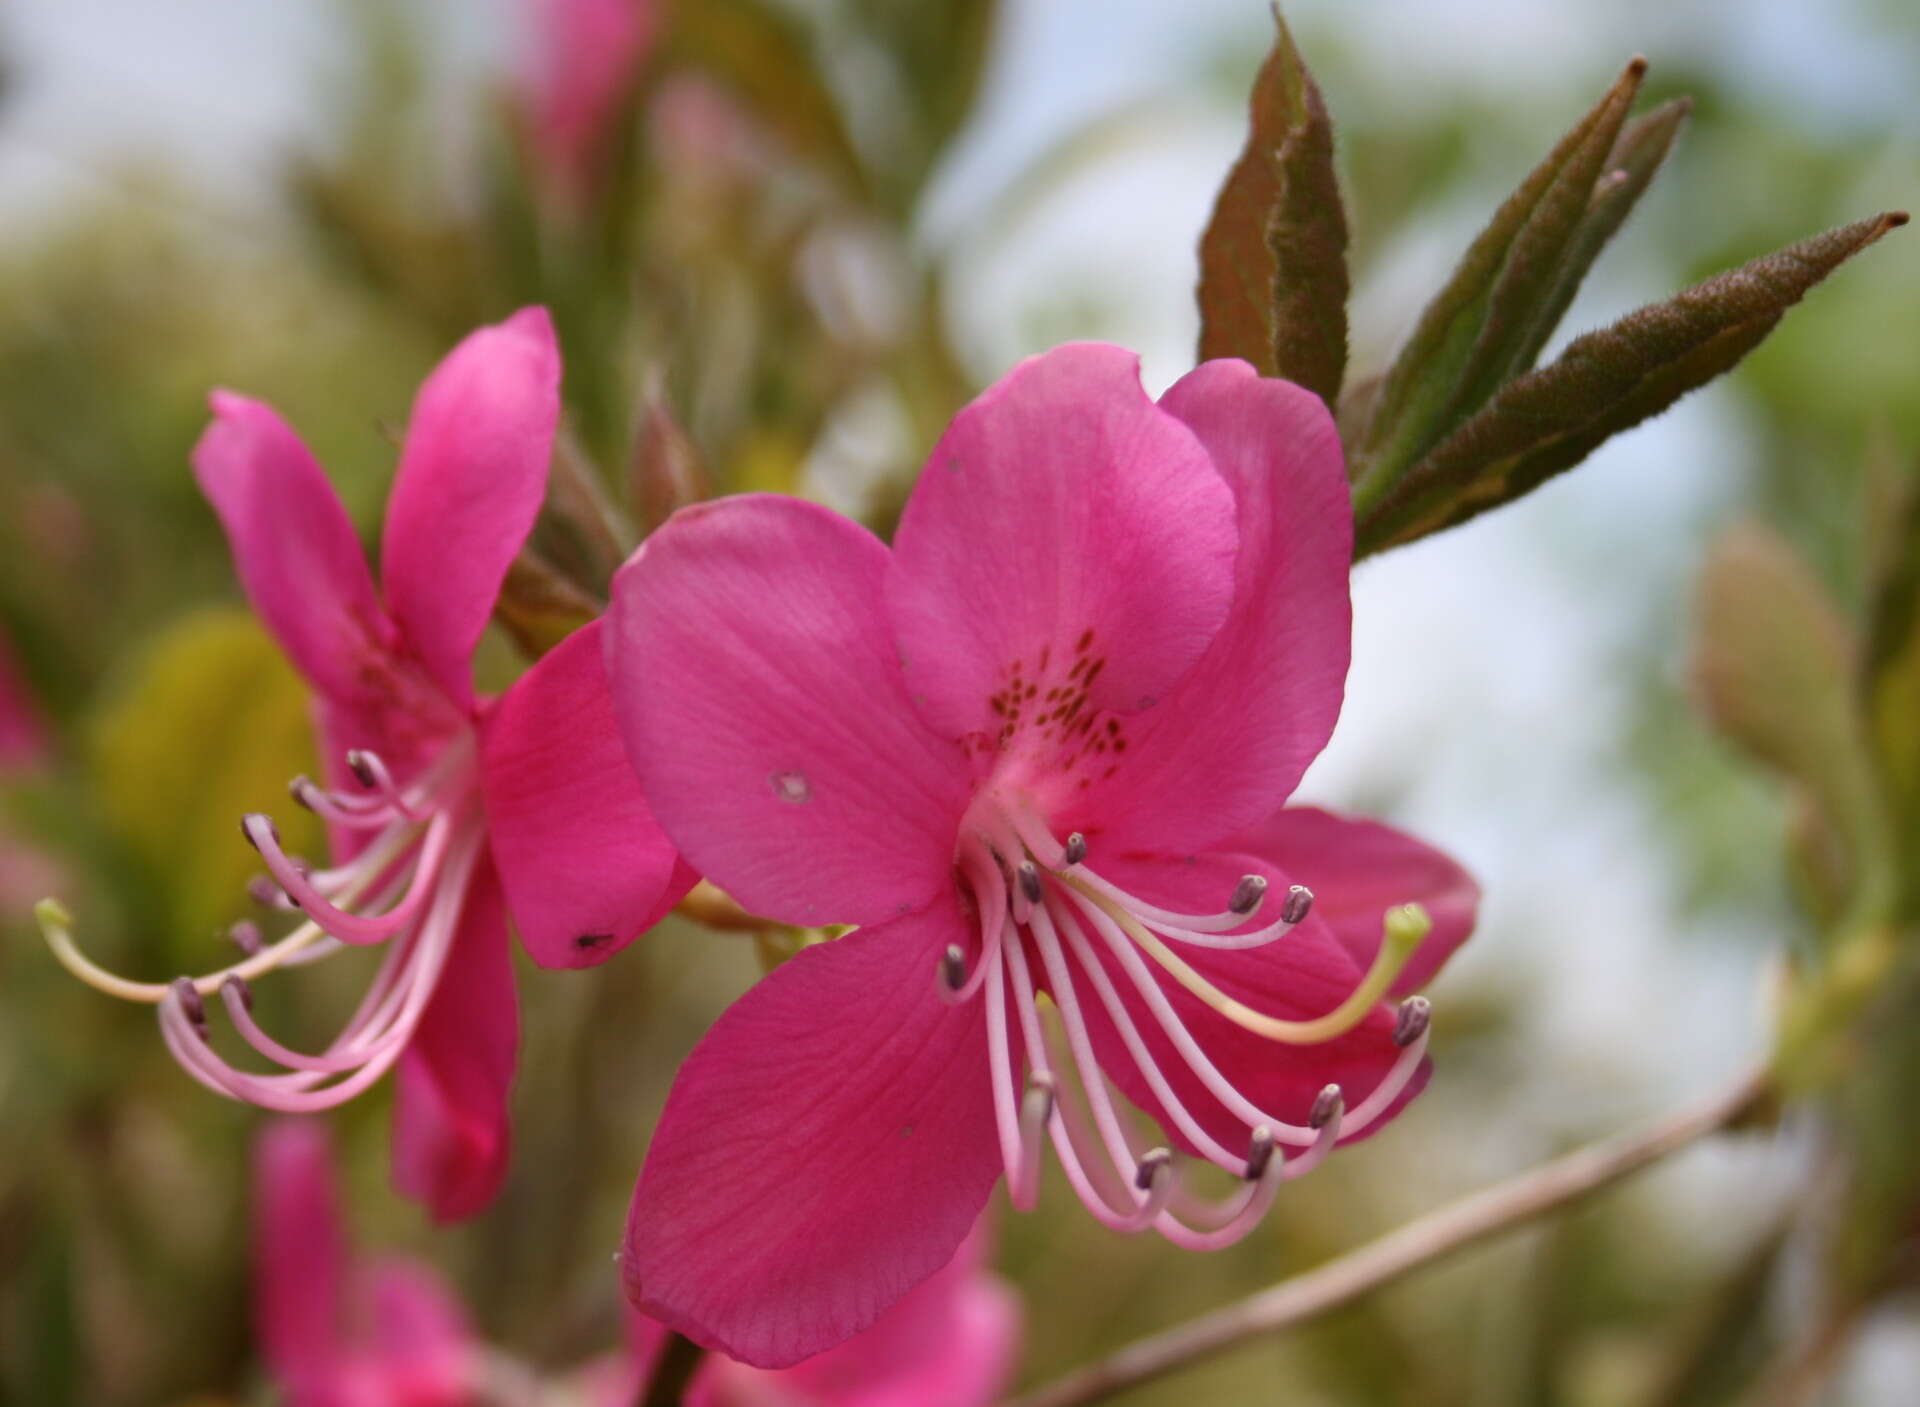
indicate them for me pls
(584, 57)
(952, 1341)
(1040, 746)
(23, 732)
(334, 1332)
(447, 812)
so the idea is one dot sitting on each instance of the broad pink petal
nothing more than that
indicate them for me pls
(469, 487)
(1358, 870)
(450, 1125)
(418, 1341)
(293, 547)
(1228, 746)
(585, 866)
(824, 1150)
(1303, 975)
(1064, 530)
(951, 1342)
(761, 703)
(300, 1254)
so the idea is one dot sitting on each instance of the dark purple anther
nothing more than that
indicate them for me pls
(1325, 1105)
(191, 1006)
(1416, 1014)
(1247, 895)
(1299, 899)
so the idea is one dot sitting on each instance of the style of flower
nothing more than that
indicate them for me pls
(446, 812)
(1039, 750)
(581, 66)
(336, 1332)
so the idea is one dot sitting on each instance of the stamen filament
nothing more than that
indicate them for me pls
(1403, 930)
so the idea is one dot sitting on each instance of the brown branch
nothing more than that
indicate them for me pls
(1499, 1208)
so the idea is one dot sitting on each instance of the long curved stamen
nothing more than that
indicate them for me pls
(56, 927)
(363, 1053)
(1029, 889)
(350, 927)
(1402, 932)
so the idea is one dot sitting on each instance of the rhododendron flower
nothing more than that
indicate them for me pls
(1039, 750)
(334, 1332)
(447, 812)
(581, 66)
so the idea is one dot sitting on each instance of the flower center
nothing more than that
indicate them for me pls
(407, 886)
(1042, 903)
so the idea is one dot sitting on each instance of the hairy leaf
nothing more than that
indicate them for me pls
(1273, 258)
(1475, 332)
(1547, 421)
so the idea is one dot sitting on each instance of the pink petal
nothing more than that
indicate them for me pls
(951, 1342)
(300, 1254)
(824, 1150)
(1358, 870)
(585, 56)
(585, 866)
(293, 546)
(1227, 747)
(418, 1339)
(1303, 975)
(450, 1125)
(760, 698)
(1063, 520)
(470, 483)
(23, 729)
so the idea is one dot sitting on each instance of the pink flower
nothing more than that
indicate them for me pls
(951, 1341)
(336, 1333)
(584, 57)
(447, 812)
(1041, 745)
(23, 732)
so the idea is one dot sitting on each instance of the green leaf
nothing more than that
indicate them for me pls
(1774, 662)
(1630, 168)
(1273, 258)
(211, 725)
(1476, 332)
(1547, 421)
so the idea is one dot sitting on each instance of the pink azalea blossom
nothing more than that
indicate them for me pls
(335, 1332)
(447, 812)
(1040, 747)
(582, 63)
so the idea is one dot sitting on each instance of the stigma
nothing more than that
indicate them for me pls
(405, 887)
(1060, 946)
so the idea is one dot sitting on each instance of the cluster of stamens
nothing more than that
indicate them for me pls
(406, 887)
(1038, 899)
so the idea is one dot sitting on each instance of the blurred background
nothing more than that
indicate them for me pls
(813, 230)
